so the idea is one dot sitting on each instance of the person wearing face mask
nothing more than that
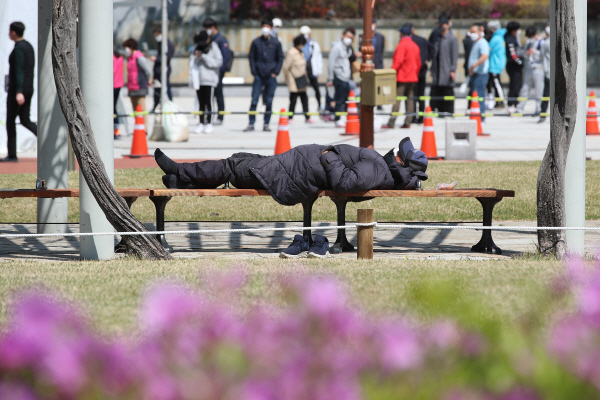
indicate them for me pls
(314, 61)
(443, 68)
(533, 70)
(545, 53)
(277, 25)
(479, 65)
(266, 59)
(157, 66)
(497, 64)
(340, 72)
(138, 76)
(514, 63)
(378, 44)
(210, 25)
(294, 72)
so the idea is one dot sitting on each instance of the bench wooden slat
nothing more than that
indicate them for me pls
(58, 193)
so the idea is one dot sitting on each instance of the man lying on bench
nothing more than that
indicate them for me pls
(298, 174)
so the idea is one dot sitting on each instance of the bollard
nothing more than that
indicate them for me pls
(364, 235)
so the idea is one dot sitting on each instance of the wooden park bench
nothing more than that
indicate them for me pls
(160, 197)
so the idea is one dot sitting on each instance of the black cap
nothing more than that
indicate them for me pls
(406, 30)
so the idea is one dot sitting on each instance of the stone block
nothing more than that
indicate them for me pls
(461, 140)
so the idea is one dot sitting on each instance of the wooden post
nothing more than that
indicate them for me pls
(365, 235)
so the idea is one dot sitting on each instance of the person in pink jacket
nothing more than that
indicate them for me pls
(117, 85)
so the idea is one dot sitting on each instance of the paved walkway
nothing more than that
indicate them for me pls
(388, 243)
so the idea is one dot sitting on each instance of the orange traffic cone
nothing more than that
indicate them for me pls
(591, 122)
(352, 121)
(282, 144)
(139, 146)
(428, 145)
(475, 114)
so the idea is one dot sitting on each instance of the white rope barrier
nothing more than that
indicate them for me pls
(301, 228)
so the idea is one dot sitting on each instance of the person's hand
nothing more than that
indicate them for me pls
(152, 58)
(273, 75)
(326, 151)
(472, 69)
(20, 99)
(197, 53)
(150, 82)
(530, 52)
(358, 54)
(329, 84)
(453, 75)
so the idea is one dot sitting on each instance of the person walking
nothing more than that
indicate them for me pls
(514, 63)
(210, 25)
(479, 65)
(294, 72)
(340, 71)
(545, 53)
(117, 85)
(314, 62)
(157, 67)
(20, 88)
(204, 76)
(426, 52)
(497, 64)
(407, 63)
(534, 70)
(266, 59)
(443, 68)
(138, 76)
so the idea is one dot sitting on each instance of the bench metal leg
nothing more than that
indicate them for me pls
(121, 247)
(486, 243)
(341, 242)
(307, 206)
(160, 202)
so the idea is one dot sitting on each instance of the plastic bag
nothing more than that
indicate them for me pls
(175, 125)
(446, 186)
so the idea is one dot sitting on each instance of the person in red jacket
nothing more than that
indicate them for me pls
(407, 63)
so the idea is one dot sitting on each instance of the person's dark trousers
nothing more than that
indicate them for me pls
(219, 96)
(342, 91)
(495, 86)
(265, 86)
(442, 105)
(116, 92)
(303, 98)
(515, 73)
(205, 98)
(157, 90)
(211, 172)
(420, 91)
(546, 94)
(13, 109)
(314, 82)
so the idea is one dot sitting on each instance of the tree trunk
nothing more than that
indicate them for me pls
(551, 178)
(64, 34)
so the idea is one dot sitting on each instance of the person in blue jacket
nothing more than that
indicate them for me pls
(497, 64)
(210, 25)
(266, 59)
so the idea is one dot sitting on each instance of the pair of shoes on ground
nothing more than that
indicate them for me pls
(9, 159)
(386, 126)
(250, 128)
(208, 128)
(300, 248)
(340, 124)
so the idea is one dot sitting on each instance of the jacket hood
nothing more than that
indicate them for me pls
(500, 32)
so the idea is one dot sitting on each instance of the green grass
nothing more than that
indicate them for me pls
(518, 176)
(110, 291)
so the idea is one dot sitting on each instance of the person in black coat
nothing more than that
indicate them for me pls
(378, 42)
(514, 63)
(158, 64)
(298, 174)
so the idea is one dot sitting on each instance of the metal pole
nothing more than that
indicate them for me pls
(96, 76)
(52, 214)
(575, 169)
(164, 47)
(366, 112)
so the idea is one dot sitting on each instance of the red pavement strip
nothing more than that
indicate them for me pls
(26, 165)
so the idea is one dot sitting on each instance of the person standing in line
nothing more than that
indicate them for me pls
(117, 85)
(378, 43)
(407, 63)
(210, 25)
(294, 72)
(20, 88)
(514, 64)
(436, 32)
(479, 65)
(545, 52)
(266, 59)
(340, 71)
(467, 45)
(497, 64)
(277, 25)
(204, 76)
(314, 62)
(157, 66)
(138, 76)
(426, 52)
(534, 70)
(443, 68)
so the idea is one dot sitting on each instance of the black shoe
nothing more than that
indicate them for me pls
(419, 120)
(319, 248)
(298, 249)
(266, 128)
(9, 159)
(168, 166)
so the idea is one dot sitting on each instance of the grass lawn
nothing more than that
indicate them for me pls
(518, 176)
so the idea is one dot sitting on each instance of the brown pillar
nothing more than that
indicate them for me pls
(367, 49)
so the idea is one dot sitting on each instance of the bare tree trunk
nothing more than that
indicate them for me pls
(64, 34)
(551, 178)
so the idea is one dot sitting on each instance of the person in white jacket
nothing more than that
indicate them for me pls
(204, 76)
(314, 62)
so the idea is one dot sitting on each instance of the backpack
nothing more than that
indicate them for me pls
(231, 55)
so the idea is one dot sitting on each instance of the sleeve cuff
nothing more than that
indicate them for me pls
(328, 158)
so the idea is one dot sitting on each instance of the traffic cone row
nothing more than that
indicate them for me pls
(475, 114)
(428, 145)
(282, 144)
(352, 121)
(591, 122)
(139, 145)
